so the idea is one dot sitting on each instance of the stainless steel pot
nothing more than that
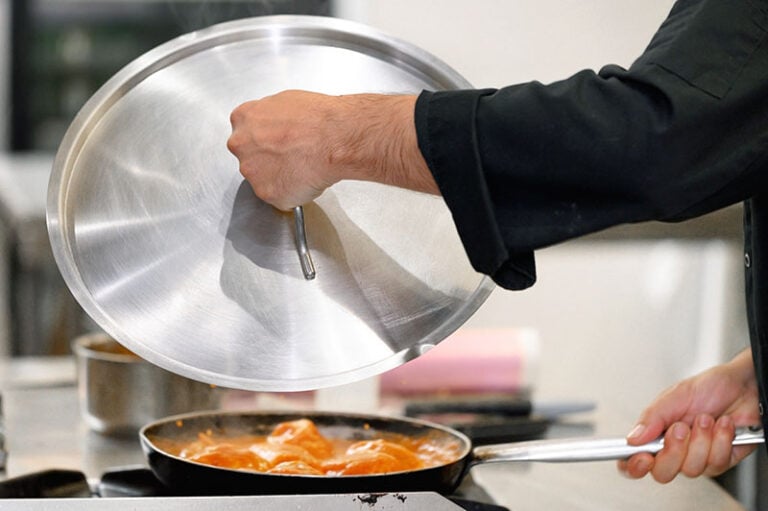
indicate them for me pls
(120, 392)
(168, 250)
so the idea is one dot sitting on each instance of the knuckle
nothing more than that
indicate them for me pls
(720, 467)
(237, 114)
(664, 476)
(265, 192)
(639, 466)
(713, 471)
(692, 471)
(233, 145)
(717, 465)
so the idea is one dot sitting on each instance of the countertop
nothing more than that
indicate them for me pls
(44, 430)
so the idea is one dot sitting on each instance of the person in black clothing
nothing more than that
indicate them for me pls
(681, 133)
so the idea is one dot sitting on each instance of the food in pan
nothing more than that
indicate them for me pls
(298, 447)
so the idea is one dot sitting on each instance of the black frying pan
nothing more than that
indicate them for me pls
(188, 477)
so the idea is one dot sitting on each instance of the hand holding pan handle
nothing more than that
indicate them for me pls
(571, 450)
(307, 266)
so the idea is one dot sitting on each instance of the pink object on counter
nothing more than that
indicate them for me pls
(470, 360)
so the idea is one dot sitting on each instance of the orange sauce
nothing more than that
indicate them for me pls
(298, 447)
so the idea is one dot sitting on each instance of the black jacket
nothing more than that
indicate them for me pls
(681, 133)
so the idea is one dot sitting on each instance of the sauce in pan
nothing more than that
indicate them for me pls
(298, 447)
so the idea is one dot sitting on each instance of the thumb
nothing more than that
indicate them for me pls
(667, 409)
(647, 429)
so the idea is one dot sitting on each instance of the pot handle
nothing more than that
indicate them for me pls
(593, 449)
(305, 258)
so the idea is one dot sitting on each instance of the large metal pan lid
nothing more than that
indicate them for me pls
(167, 248)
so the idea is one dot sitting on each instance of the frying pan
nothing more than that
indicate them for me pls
(192, 478)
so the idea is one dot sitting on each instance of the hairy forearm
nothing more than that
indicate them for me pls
(377, 142)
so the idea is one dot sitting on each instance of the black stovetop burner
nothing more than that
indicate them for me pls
(141, 482)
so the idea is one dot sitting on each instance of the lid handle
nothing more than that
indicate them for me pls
(301, 244)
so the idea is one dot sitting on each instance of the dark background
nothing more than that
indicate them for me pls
(64, 50)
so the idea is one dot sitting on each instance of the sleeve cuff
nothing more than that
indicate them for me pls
(449, 117)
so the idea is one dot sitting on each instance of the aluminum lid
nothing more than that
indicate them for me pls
(167, 248)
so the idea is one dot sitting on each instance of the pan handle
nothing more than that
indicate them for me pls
(307, 266)
(578, 449)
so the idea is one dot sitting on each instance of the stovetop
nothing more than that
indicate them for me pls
(137, 488)
(384, 502)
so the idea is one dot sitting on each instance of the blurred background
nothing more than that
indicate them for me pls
(662, 300)
(59, 52)
(616, 316)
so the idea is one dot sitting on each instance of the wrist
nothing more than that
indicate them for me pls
(375, 140)
(742, 366)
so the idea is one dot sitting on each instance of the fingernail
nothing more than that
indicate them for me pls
(679, 431)
(636, 431)
(706, 421)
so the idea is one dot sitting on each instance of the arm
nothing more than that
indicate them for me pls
(293, 145)
(699, 416)
(531, 165)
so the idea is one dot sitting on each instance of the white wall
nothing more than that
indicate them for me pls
(499, 42)
(618, 321)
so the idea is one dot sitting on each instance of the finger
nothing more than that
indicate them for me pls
(235, 116)
(637, 466)
(740, 452)
(699, 446)
(670, 459)
(722, 446)
(647, 430)
(669, 407)
(655, 419)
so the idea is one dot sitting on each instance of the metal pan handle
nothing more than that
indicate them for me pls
(305, 258)
(594, 449)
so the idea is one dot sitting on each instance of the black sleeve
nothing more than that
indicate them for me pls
(674, 136)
